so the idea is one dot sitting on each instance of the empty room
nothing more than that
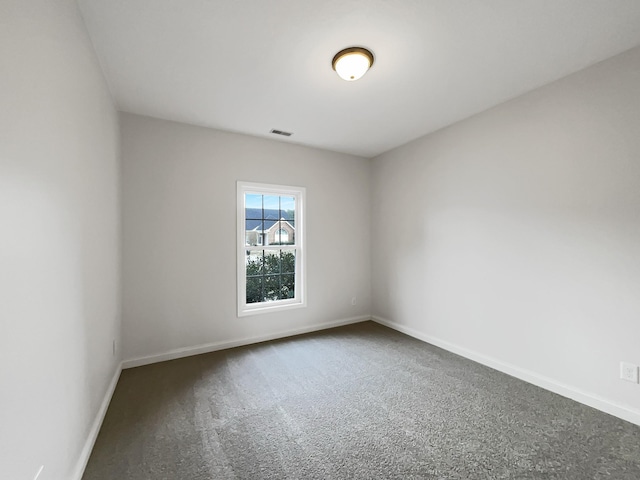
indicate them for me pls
(291, 239)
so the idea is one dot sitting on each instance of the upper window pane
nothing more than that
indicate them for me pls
(269, 219)
(253, 206)
(288, 208)
(271, 202)
(253, 233)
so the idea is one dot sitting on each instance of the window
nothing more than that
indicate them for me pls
(270, 248)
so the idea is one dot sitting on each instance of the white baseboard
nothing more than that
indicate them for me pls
(95, 427)
(595, 401)
(223, 345)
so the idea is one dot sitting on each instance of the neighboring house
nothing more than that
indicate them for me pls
(268, 227)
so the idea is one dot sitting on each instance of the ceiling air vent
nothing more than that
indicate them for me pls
(280, 132)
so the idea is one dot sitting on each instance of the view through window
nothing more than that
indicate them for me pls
(270, 242)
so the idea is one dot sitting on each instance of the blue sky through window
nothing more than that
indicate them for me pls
(271, 202)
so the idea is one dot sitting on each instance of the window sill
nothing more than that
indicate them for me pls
(270, 309)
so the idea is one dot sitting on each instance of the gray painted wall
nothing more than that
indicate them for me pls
(514, 237)
(59, 246)
(179, 230)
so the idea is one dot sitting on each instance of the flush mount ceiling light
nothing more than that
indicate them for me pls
(352, 63)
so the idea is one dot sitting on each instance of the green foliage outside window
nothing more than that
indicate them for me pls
(271, 277)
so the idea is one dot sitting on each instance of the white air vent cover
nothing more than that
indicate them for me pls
(280, 132)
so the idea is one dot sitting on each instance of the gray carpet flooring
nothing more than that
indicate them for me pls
(355, 402)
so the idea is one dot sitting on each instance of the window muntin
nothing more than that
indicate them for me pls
(270, 247)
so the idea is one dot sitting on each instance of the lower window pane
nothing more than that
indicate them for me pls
(254, 290)
(287, 288)
(271, 262)
(270, 275)
(271, 288)
(288, 261)
(254, 262)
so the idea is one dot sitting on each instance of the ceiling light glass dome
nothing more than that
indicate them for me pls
(352, 63)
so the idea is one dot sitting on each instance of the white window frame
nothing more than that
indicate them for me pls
(300, 298)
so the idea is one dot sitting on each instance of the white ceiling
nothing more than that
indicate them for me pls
(252, 65)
